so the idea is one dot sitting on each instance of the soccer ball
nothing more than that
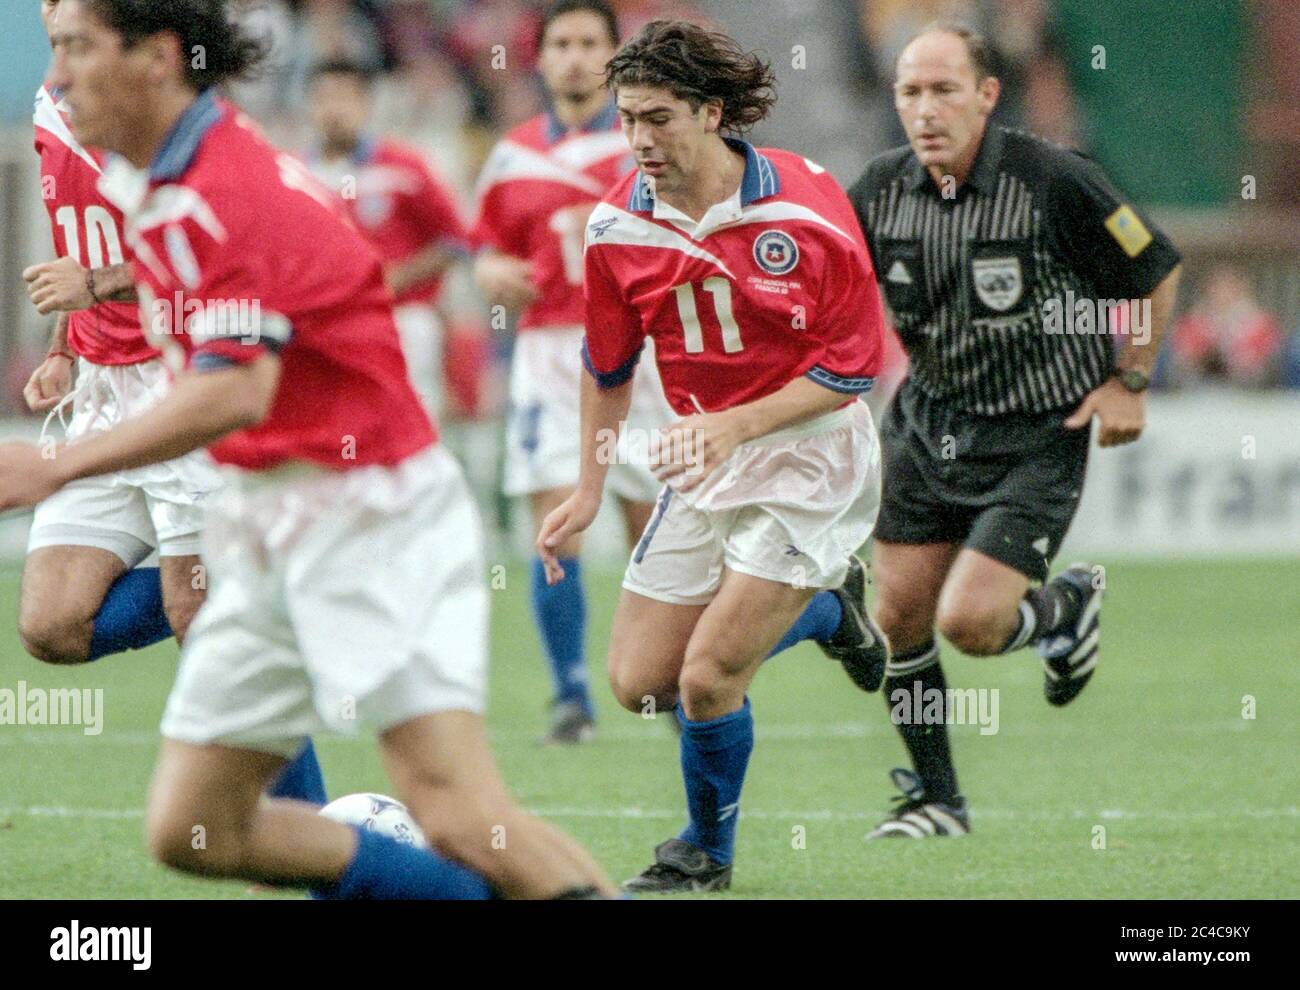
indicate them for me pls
(376, 813)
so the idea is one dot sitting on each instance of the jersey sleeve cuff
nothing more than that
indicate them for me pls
(611, 379)
(838, 383)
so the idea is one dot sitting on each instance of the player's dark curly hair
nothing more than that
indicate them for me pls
(214, 48)
(698, 66)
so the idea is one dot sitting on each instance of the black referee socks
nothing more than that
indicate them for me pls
(1045, 610)
(911, 678)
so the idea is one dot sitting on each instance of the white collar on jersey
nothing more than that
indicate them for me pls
(760, 180)
(728, 211)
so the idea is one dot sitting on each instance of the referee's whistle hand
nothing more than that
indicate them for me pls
(1122, 414)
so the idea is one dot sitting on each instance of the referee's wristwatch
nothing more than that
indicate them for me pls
(1133, 380)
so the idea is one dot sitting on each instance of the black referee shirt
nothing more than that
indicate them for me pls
(974, 279)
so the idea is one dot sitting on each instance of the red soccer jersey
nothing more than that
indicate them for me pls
(240, 251)
(88, 229)
(400, 205)
(774, 284)
(537, 189)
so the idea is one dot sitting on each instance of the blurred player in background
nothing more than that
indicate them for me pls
(404, 209)
(83, 594)
(747, 269)
(536, 191)
(976, 232)
(347, 585)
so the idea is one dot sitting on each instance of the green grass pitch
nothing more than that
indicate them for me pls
(1195, 800)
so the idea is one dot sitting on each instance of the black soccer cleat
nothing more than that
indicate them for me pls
(916, 817)
(1070, 658)
(570, 725)
(858, 643)
(680, 868)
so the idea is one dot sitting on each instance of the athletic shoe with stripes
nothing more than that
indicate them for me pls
(680, 868)
(858, 644)
(1070, 658)
(917, 818)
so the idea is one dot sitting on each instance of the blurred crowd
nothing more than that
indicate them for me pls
(456, 73)
(453, 75)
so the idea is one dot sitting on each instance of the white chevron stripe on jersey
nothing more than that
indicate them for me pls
(584, 150)
(614, 226)
(781, 210)
(510, 161)
(48, 118)
(172, 204)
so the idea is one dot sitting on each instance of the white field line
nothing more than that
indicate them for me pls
(758, 814)
(73, 735)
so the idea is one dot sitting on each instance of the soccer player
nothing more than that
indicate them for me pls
(748, 270)
(537, 189)
(346, 578)
(979, 235)
(84, 594)
(404, 209)
(81, 598)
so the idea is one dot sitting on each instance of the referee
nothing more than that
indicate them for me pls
(997, 253)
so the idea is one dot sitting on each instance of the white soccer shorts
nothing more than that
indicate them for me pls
(128, 513)
(337, 601)
(420, 331)
(789, 507)
(543, 445)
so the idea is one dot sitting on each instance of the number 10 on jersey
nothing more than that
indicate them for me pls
(720, 289)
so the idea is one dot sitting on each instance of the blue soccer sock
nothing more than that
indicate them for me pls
(301, 779)
(383, 869)
(714, 757)
(817, 622)
(560, 611)
(131, 616)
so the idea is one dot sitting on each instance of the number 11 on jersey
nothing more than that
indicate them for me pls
(720, 289)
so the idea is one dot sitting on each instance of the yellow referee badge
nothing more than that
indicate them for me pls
(1128, 231)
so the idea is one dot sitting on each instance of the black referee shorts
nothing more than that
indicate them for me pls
(1013, 507)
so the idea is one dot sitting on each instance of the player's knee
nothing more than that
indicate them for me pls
(54, 639)
(177, 842)
(181, 614)
(462, 826)
(172, 843)
(704, 686)
(637, 692)
(972, 627)
(907, 624)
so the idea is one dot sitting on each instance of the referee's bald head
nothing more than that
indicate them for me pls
(944, 91)
(978, 50)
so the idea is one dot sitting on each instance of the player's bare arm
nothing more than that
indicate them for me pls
(602, 412)
(696, 446)
(419, 268)
(64, 286)
(505, 279)
(1123, 413)
(52, 379)
(201, 408)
